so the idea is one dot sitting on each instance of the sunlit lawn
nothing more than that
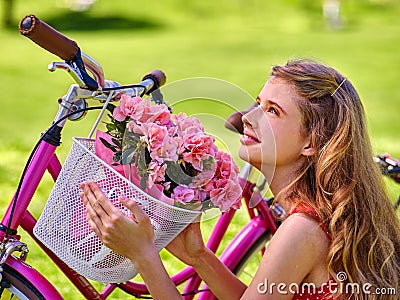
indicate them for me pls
(235, 41)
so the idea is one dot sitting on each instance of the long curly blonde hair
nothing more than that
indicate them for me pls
(342, 182)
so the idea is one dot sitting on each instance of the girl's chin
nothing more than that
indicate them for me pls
(265, 167)
(246, 156)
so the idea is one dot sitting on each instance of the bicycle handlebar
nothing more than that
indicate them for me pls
(55, 42)
(389, 166)
(48, 38)
(158, 77)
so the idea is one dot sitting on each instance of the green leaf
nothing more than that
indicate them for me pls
(128, 156)
(177, 174)
(110, 127)
(105, 143)
(110, 107)
(117, 142)
(189, 205)
(142, 159)
(130, 140)
(208, 162)
(117, 156)
(121, 127)
(143, 182)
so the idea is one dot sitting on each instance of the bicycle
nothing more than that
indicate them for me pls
(25, 282)
(390, 167)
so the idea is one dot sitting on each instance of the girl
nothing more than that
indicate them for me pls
(340, 219)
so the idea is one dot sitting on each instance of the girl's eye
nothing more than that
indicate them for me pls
(272, 110)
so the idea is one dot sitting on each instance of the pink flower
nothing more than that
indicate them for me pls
(199, 146)
(203, 179)
(172, 131)
(157, 173)
(179, 117)
(200, 195)
(168, 150)
(227, 195)
(129, 107)
(141, 128)
(189, 126)
(183, 194)
(226, 167)
(158, 114)
(155, 136)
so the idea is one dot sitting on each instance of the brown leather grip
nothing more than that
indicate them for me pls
(158, 76)
(48, 38)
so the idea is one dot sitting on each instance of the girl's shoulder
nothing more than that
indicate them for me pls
(299, 244)
(302, 236)
(302, 228)
(306, 209)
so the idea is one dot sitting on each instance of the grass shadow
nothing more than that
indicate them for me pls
(75, 21)
(78, 21)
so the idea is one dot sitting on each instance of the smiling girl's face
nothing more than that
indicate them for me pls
(272, 130)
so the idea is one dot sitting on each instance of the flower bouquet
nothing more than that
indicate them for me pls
(164, 162)
(169, 156)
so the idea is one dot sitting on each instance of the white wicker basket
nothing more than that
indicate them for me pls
(63, 228)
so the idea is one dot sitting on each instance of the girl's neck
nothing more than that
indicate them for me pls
(282, 177)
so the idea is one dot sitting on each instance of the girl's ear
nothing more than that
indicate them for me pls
(308, 150)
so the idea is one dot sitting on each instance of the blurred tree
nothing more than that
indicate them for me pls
(7, 13)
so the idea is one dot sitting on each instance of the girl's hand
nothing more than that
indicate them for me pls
(130, 236)
(188, 246)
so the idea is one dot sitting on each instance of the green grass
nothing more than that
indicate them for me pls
(236, 41)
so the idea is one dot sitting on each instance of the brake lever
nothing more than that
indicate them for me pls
(64, 66)
(76, 68)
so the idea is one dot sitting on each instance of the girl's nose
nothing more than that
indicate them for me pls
(246, 121)
(235, 121)
(250, 116)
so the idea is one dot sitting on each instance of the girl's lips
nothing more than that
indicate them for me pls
(248, 139)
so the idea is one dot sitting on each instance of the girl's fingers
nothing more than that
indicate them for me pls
(83, 198)
(139, 214)
(95, 201)
(93, 219)
(93, 226)
(102, 200)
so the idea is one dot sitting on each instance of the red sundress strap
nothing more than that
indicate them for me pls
(309, 210)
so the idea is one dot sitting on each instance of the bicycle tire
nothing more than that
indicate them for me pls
(254, 250)
(16, 286)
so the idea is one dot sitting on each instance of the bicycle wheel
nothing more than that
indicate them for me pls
(15, 286)
(247, 266)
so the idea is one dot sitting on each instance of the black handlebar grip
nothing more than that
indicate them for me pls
(48, 38)
(158, 77)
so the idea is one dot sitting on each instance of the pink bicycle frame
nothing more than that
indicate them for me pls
(43, 159)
